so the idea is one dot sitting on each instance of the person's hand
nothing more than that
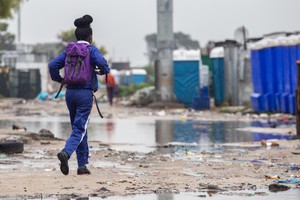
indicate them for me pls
(99, 72)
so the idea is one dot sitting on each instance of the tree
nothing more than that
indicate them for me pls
(68, 36)
(181, 40)
(7, 6)
(6, 39)
(185, 41)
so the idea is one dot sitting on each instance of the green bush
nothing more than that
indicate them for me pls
(126, 91)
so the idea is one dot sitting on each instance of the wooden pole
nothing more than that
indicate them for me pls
(297, 103)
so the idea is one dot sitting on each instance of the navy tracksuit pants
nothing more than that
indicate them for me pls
(79, 103)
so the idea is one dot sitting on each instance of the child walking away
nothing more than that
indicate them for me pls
(79, 61)
(110, 83)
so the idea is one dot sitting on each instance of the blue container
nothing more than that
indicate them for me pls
(258, 102)
(139, 78)
(298, 51)
(293, 67)
(261, 102)
(285, 103)
(286, 71)
(279, 66)
(218, 80)
(186, 81)
(292, 104)
(270, 78)
(256, 72)
(201, 103)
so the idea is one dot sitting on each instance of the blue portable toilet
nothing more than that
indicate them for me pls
(293, 42)
(138, 76)
(186, 75)
(264, 76)
(202, 100)
(274, 73)
(124, 77)
(270, 73)
(217, 57)
(132, 76)
(279, 67)
(259, 97)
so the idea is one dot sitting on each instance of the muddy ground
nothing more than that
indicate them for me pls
(246, 166)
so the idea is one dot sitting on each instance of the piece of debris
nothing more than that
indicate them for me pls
(296, 152)
(278, 188)
(46, 133)
(19, 126)
(11, 147)
(272, 177)
(290, 181)
(269, 143)
(45, 142)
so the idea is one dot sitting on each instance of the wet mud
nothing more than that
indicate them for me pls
(192, 159)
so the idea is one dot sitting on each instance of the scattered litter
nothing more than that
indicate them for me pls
(161, 113)
(296, 152)
(269, 143)
(50, 170)
(189, 153)
(290, 181)
(45, 142)
(272, 177)
(182, 117)
(259, 160)
(2, 155)
(294, 167)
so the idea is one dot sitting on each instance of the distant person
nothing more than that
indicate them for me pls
(110, 87)
(79, 60)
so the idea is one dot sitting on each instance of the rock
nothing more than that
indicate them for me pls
(18, 126)
(46, 133)
(261, 194)
(264, 116)
(103, 189)
(278, 188)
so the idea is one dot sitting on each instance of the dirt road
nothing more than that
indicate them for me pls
(35, 172)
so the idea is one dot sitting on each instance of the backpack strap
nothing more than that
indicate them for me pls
(69, 62)
(97, 106)
(60, 88)
(78, 64)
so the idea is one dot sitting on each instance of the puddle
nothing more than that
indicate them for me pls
(139, 135)
(292, 194)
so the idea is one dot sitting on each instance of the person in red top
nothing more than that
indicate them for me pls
(110, 87)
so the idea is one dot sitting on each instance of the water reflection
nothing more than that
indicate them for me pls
(142, 135)
(292, 194)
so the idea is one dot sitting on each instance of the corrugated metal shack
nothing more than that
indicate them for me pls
(231, 73)
(22, 75)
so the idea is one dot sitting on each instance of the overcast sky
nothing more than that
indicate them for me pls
(121, 25)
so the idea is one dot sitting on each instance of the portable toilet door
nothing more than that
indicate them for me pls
(186, 75)
(139, 76)
(217, 57)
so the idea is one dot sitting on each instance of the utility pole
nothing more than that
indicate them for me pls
(19, 24)
(165, 40)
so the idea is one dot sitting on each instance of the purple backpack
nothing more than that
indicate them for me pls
(78, 70)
